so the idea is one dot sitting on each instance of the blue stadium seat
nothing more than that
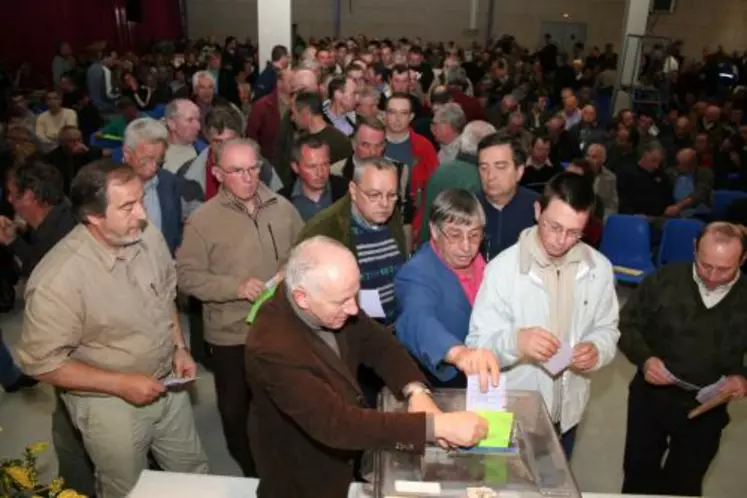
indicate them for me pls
(678, 241)
(626, 241)
(722, 199)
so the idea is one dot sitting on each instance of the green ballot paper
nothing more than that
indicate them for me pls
(257, 304)
(109, 136)
(500, 425)
(496, 469)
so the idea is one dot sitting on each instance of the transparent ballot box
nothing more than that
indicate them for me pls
(533, 465)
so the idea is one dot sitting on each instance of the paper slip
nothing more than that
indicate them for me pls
(492, 400)
(681, 383)
(262, 299)
(418, 487)
(709, 392)
(177, 381)
(500, 426)
(561, 360)
(370, 301)
(270, 284)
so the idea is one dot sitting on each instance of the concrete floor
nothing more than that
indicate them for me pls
(597, 462)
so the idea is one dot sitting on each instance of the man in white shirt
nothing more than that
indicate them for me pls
(544, 295)
(50, 122)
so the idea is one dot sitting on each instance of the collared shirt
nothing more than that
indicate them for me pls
(329, 337)
(152, 203)
(471, 277)
(341, 122)
(113, 311)
(306, 207)
(448, 152)
(711, 297)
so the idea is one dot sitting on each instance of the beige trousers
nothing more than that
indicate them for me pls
(118, 437)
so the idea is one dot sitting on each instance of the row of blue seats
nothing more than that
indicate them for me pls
(626, 239)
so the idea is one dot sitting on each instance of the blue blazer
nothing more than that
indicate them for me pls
(433, 311)
(170, 199)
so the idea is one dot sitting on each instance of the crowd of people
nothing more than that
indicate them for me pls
(466, 189)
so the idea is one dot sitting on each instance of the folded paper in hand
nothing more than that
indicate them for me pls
(177, 381)
(711, 391)
(493, 399)
(560, 360)
(370, 301)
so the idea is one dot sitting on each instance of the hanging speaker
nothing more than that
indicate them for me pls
(134, 10)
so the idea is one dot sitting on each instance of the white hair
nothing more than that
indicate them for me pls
(146, 130)
(305, 267)
(203, 74)
(472, 134)
(172, 108)
(451, 114)
(238, 141)
(380, 163)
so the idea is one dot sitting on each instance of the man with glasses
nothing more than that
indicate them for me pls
(688, 321)
(436, 289)
(234, 244)
(144, 148)
(550, 294)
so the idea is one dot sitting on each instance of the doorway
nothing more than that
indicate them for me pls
(564, 34)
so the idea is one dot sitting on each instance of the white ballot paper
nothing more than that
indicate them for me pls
(683, 384)
(561, 360)
(709, 392)
(492, 400)
(370, 301)
(176, 381)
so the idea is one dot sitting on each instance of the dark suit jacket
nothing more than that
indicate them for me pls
(308, 415)
(169, 195)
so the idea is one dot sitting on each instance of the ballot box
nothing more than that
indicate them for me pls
(531, 463)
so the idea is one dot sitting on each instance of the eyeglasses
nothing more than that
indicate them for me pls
(145, 161)
(239, 171)
(377, 197)
(455, 237)
(559, 231)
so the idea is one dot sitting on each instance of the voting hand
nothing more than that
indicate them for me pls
(656, 373)
(736, 385)
(422, 403)
(475, 361)
(537, 344)
(139, 389)
(251, 289)
(463, 429)
(585, 356)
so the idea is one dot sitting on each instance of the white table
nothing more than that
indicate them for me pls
(153, 484)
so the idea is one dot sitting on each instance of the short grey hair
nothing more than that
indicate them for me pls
(172, 108)
(457, 77)
(303, 269)
(452, 114)
(146, 130)
(472, 134)
(238, 141)
(380, 163)
(456, 205)
(370, 92)
(203, 74)
(309, 65)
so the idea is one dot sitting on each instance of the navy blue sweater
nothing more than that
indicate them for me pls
(502, 227)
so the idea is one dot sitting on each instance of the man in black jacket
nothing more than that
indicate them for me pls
(686, 323)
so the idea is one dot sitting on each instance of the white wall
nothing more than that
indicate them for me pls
(698, 22)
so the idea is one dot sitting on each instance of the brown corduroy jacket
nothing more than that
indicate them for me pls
(308, 418)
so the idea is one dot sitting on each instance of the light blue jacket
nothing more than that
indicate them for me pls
(513, 297)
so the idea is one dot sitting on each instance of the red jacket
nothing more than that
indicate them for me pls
(264, 122)
(426, 162)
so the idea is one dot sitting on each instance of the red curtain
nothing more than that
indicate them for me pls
(32, 30)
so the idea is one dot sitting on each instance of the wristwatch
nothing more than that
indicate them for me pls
(414, 388)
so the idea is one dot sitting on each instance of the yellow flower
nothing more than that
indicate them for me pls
(21, 476)
(56, 485)
(38, 448)
(70, 493)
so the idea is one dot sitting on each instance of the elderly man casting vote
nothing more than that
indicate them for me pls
(309, 417)
(436, 289)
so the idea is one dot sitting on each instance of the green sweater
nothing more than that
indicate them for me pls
(666, 318)
(459, 173)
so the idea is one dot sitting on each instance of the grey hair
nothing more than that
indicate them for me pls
(303, 269)
(654, 146)
(172, 108)
(203, 74)
(371, 92)
(145, 130)
(456, 205)
(452, 114)
(309, 65)
(380, 163)
(456, 77)
(472, 134)
(238, 141)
